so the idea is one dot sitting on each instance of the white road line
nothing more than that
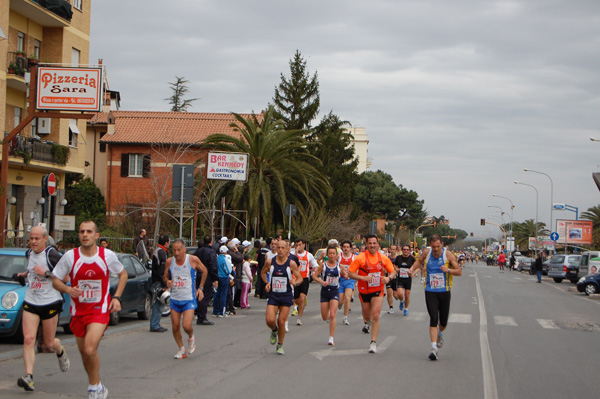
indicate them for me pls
(490, 389)
(464, 318)
(547, 323)
(518, 278)
(320, 355)
(504, 321)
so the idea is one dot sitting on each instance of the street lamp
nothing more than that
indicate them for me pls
(551, 194)
(536, 211)
(512, 206)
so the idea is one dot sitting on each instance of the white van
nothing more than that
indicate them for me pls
(584, 262)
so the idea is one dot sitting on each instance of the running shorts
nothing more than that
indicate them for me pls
(182, 306)
(346, 284)
(367, 297)
(405, 283)
(302, 288)
(79, 323)
(44, 311)
(329, 294)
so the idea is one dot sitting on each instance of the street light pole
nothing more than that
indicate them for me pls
(536, 212)
(551, 195)
(512, 206)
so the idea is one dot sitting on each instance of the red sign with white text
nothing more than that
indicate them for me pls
(574, 231)
(69, 89)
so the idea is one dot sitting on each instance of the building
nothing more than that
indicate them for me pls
(361, 143)
(56, 32)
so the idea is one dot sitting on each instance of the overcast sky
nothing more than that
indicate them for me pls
(457, 97)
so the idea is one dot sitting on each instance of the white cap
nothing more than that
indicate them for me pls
(235, 241)
(223, 240)
(246, 243)
(223, 249)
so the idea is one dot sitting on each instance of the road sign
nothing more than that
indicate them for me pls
(559, 206)
(554, 236)
(291, 210)
(48, 185)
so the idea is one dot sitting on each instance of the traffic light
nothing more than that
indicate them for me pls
(483, 222)
(434, 224)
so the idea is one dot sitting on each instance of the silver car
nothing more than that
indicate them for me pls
(563, 267)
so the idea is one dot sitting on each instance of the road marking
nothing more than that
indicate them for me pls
(320, 355)
(464, 318)
(474, 301)
(490, 389)
(504, 321)
(547, 323)
(518, 278)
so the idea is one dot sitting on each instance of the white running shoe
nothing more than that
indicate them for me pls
(391, 310)
(298, 322)
(181, 353)
(331, 341)
(373, 347)
(287, 327)
(63, 361)
(346, 322)
(440, 340)
(191, 345)
(434, 354)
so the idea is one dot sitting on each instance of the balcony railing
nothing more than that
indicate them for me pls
(62, 8)
(18, 63)
(37, 150)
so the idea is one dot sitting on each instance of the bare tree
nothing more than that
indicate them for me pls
(211, 191)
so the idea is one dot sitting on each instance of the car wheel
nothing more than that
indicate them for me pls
(590, 289)
(558, 280)
(145, 314)
(114, 318)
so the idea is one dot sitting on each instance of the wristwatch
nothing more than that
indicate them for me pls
(118, 298)
(48, 274)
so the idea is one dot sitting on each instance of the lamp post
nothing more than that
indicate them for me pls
(551, 194)
(512, 206)
(536, 212)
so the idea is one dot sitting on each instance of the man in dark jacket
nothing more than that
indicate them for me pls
(158, 270)
(539, 265)
(208, 257)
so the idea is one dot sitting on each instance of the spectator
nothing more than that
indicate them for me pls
(224, 266)
(104, 243)
(260, 259)
(237, 258)
(246, 282)
(158, 285)
(208, 257)
(140, 246)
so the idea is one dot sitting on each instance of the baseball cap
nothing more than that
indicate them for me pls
(223, 240)
(246, 243)
(223, 249)
(235, 241)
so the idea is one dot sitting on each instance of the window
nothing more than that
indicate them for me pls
(20, 41)
(77, 4)
(75, 57)
(18, 112)
(102, 145)
(135, 165)
(73, 132)
(37, 46)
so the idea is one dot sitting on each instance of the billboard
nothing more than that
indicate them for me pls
(69, 89)
(574, 231)
(227, 166)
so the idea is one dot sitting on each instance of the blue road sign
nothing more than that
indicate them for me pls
(554, 236)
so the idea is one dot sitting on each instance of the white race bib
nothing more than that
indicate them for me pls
(303, 265)
(437, 280)
(375, 280)
(279, 284)
(182, 282)
(404, 273)
(91, 291)
(333, 280)
(39, 286)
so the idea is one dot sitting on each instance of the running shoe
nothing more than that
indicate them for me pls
(280, 350)
(295, 312)
(298, 322)
(366, 328)
(63, 361)
(331, 341)
(191, 345)
(346, 322)
(181, 353)
(440, 340)
(401, 305)
(273, 339)
(99, 394)
(434, 354)
(391, 310)
(287, 326)
(405, 312)
(26, 383)
(373, 347)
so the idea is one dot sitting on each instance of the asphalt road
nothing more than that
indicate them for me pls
(508, 337)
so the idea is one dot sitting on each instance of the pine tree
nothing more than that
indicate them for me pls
(180, 88)
(296, 99)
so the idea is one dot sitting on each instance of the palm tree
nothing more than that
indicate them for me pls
(526, 229)
(280, 168)
(593, 214)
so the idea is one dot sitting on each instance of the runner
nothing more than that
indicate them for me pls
(89, 268)
(440, 266)
(501, 261)
(307, 262)
(368, 268)
(279, 288)
(403, 262)
(180, 277)
(391, 286)
(42, 302)
(346, 283)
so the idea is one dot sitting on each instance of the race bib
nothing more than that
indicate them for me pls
(279, 284)
(375, 279)
(404, 273)
(333, 280)
(39, 286)
(182, 283)
(303, 265)
(437, 280)
(91, 291)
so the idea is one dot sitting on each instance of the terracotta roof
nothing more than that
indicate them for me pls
(99, 117)
(137, 127)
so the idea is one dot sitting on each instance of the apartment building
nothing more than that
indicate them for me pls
(53, 32)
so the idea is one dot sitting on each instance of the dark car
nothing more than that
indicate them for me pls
(589, 284)
(563, 267)
(137, 295)
(12, 294)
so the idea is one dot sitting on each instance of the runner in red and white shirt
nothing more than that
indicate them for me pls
(307, 263)
(89, 268)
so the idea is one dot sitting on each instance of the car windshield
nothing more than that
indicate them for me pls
(11, 264)
(557, 259)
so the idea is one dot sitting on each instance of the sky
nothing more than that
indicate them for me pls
(457, 97)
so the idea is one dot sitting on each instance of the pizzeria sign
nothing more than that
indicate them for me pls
(69, 89)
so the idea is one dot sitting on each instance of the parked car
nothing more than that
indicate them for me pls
(589, 284)
(13, 260)
(137, 296)
(584, 262)
(563, 267)
(523, 263)
(545, 267)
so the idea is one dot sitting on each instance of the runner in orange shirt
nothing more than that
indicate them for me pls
(368, 269)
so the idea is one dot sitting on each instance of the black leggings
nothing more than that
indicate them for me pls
(438, 307)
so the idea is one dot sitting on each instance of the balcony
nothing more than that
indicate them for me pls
(37, 150)
(51, 13)
(18, 63)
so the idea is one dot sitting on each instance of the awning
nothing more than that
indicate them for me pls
(73, 126)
